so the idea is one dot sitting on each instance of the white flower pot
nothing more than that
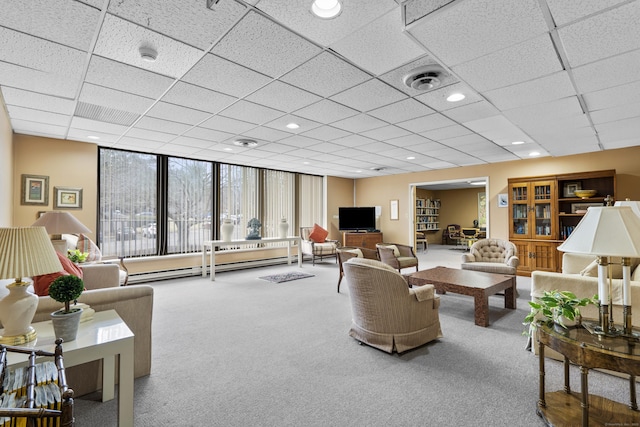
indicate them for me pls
(65, 325)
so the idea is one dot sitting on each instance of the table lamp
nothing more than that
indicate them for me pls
(24, 252)
(608, 231)
(58, 223)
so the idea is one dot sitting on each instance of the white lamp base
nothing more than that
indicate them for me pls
(16, 313)
(19, 339)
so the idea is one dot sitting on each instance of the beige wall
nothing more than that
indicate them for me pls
(380, 190)
(339, 193)
(6, 167)
(67, 164)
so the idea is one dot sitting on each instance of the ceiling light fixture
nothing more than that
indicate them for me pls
(326, 9)
(93, 137)
(478, 183)
(148, 54)
(455, 97)
(534, 153)
(411, 158)
(243, 142)
(293, 125)
(517, 143)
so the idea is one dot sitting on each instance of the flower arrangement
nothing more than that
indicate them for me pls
(76, 256)
(65, 289)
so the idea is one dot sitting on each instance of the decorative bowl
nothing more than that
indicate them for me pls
(585, 194)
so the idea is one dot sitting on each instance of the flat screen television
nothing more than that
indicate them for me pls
(357, 219)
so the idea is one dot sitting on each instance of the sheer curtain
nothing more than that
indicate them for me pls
(239, 189)
(310, 200)
(279, 202)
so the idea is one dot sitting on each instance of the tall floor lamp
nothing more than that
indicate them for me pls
(24, 252)
(608, 231)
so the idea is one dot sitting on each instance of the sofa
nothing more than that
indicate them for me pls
(579, 275)
(134, 305)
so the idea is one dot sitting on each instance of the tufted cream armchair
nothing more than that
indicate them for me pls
(492, 256)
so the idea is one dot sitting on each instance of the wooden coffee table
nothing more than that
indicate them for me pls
(477, 284)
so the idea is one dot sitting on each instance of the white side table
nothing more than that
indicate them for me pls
(102, 338)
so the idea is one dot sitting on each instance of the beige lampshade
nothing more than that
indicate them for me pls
(26, 252)
(635, 206)
(60, 222)
(606, 231)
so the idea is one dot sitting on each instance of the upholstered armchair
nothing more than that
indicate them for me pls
(314, 243)
(397, 256)
(386, 313)
(492, 256)
(347, 252)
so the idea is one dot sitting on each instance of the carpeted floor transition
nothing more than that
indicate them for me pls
(285, 277)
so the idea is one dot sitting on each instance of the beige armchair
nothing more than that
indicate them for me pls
(492, 256)
(347, 252)
(324, 249)
(397, 256)
(387, 314)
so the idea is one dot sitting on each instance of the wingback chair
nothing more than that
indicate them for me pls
(347, 252)
(317, 249)
(386, 313)
(492, 256)
(397, 256)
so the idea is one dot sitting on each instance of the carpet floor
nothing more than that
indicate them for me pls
(235, 352)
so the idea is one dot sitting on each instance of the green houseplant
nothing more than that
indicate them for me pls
(554, 306)
(76, 256)
(65, 289)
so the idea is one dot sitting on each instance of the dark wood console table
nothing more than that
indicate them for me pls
(588, 351)
(364, 240)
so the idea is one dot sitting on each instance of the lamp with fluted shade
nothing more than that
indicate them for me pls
(608, 231)
(58, 223)
(24, 252)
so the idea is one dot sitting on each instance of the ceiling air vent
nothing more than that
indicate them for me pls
(243, 142)
(378, 168)
(424, 78)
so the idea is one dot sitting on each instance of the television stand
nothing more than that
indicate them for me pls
(362, 239)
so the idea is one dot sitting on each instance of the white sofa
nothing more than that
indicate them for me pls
(579, 276)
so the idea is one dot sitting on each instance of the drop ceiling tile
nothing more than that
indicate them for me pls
(369, 95)
(281, 124)
(430, 122)
(178, 150)
(29, 114)
(359, 123)
(138, 144)
(66, 22)
(621, 129)
(597, 75)
(326, 111)
(250, 112)
(83, 135)
(466, 140)
(37, 101)
(613, 97)
(353, 140)
(577, 147)
(326, 148)
(481, 27)
(564, 11)
(97, 126)
(218, 74)
(543, 89)
(41, 129)
(615, 113)
(325, 75)
(186, 20)
(531, 125)
(210, 135)
(401, 111)
(356, 14)
(38, 81)
(526, 61)
(470, 112)
(620, 143)
(150, 135)
(262, 45)
(438, 164)
(192, 142)
(271, 149)
(166, 126)
(111, 98)
(593, 38)
(125, 78)
(229, 125)
(325, 133)
(299, 141)
(549, 111)
(166, 111)
(409, 141)
(379, 46)
(283, 97)
(199, 98)
(446, 132)
(266, 134)
(385, 133)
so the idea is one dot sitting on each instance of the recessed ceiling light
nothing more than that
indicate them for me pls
(293, 125)
(148, 54)
(243, 142)
(228, 149)
(534, 153)
(455, 97)
(93, 137)
(517, 143)
(305, 163)
(411, 158)
(326, 9)
(478, 183)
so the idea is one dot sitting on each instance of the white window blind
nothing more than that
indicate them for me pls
(310, 200)
(279, 202)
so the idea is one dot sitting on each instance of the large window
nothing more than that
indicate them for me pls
(156, 204)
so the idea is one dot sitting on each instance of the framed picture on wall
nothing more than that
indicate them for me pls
(67, 198)
(393, 205)
(503, 200)
(34, 190)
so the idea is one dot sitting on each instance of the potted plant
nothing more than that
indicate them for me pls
(76, 256)
(65, 289)
(554, 306)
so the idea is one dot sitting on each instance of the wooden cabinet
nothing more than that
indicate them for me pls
(544, 210)
(427, 215)
(363, 240)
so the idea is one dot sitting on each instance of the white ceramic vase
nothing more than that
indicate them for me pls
(226, 230)
(283, 228)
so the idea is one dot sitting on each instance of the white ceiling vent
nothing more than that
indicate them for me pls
(244, 142)
(424, 78)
